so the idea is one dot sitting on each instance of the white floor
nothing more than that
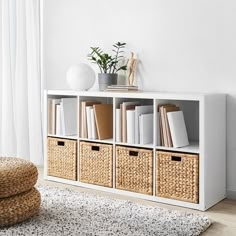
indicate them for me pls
(223, 214)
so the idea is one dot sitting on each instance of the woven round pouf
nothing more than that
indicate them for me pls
(19, 200)
(19, 207)
(16, 176)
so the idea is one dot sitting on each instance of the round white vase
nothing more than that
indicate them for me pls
(80, 77)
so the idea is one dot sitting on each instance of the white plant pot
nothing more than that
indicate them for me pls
(80, 77)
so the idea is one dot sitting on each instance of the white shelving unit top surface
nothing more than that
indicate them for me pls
(140, 94)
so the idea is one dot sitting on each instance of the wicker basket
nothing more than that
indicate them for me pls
(134, 170)
(96, 164)
(62, 158)
(178, 176)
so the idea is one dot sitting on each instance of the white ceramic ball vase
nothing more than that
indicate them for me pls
(80, 77)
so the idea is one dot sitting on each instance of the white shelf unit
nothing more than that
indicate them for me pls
(205, 117)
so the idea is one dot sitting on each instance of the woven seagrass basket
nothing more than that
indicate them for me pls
(134, 169)
(178, 176)
(96, 163)
(62, 158)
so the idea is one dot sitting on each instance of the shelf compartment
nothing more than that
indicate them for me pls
(191, 113)
(122, 119)
(95, 164)
(62, 116)
(62, 158)
(134, 169)
(178, 176)
(94, 125)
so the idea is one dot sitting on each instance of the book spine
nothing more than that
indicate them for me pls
(58, 119)
(118, 126)
(130, 126)
(94, 128)
(89, 123)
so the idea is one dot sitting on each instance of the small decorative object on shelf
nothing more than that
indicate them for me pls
(131, 65)
(122, 88)
(80, 77)
(109, 65)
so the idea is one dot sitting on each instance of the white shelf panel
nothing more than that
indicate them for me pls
(192, 148)
(74, 137)
(135, 145)
(145, 95)
(109, 141)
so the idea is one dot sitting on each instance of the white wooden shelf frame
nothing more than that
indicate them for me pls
(208, 113)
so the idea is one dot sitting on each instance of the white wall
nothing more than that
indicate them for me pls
(181, 45)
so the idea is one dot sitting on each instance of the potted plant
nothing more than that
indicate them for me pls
(109, 64)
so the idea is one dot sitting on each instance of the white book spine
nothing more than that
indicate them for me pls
(63, 128)
(89, 123)
(140, 130)
(69, 116)
(178, 129)
(93, 124)
(146, 129)
(82, 126)
(118, 126)
(58, 119)
(130, 126)
(139, 110)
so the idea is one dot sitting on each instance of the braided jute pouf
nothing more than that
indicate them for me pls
(16, 176)
(19, 207)
(19, 200)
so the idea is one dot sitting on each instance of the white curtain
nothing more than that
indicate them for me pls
(20, 91)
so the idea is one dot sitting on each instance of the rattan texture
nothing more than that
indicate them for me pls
(16, 176)
(19, 207)
(62, 158)
(178, 176)
(134, 170)
(96, 163)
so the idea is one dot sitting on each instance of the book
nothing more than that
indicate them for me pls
(69, 116)
(55, 102)
(83, 117)
(158, 137)
(121, 88)
(130, 126)
(126, 106)
(167, 109)
(138, 111)
(146, 128)
(104, 120)
(58, 120)
(89, 121)
(118, 125)
(93, 122)
(178, 129)
(165, 133)
(163, 125)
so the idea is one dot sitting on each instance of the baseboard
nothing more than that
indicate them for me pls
(231, 194)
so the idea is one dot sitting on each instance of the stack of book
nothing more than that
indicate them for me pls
(62, 116)
(124, 88)
(134, 123)
(173, 131)
(96, 120)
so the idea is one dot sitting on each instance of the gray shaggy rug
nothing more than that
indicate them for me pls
(66, 212)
